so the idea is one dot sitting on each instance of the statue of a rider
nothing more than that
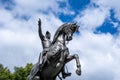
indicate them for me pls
(55, 54)
(46, 43)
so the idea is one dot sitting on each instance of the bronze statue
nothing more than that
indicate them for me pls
(46, 43)
(55, 54)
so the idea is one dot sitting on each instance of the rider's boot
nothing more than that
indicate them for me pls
(36, 78)
(64, 75)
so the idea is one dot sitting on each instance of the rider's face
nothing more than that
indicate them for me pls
(48, 35)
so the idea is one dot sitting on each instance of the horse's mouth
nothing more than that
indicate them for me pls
(68, 38)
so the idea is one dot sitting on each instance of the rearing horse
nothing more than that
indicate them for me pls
(58, 54)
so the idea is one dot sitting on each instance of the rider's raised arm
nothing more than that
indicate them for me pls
(40, 30)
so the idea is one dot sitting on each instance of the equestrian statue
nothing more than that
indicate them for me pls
(55, 54)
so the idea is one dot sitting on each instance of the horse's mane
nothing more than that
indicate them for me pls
(59, 30)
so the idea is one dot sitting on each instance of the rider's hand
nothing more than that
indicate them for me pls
(39, 22)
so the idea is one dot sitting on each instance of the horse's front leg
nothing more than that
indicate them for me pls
(76, 57)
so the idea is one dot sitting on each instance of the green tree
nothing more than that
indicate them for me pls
(21, 73)
(28, 68)
(5, 73)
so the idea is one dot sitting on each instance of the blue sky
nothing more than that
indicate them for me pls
(98, 44)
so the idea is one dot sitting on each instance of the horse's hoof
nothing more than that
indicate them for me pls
(78, 72)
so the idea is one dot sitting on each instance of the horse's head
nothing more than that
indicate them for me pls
(69, 29)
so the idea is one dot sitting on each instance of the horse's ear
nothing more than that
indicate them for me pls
(77, 30)
(75, 23)
(77, 27)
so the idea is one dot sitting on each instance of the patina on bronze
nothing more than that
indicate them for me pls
(55, 54)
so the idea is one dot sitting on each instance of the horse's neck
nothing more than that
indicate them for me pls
(61, 39)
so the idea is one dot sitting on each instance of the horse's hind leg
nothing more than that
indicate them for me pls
(76, 57)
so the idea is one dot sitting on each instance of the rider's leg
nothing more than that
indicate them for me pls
(44, 59)
(41, 60)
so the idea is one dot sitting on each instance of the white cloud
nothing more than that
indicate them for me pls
(111, 4)
(26, 7)
(19, 37)
(92, 17)
(99, 55)
(30, 7)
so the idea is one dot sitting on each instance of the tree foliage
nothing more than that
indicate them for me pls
(20, 73)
